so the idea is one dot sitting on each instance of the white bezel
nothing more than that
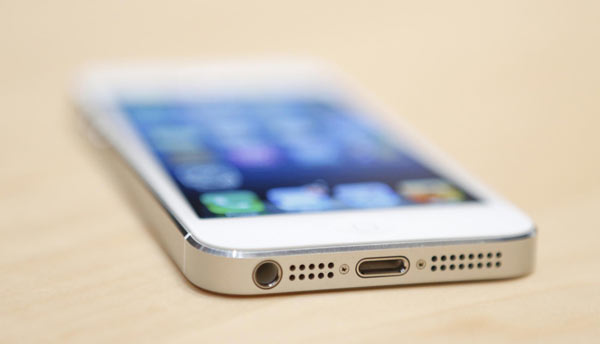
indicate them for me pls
(101, 86)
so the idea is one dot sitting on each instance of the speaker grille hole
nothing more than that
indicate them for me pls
(311, 266)
(485, 260)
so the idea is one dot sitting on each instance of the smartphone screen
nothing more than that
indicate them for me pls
(239, 157)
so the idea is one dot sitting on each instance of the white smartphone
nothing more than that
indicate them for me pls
(277, 175)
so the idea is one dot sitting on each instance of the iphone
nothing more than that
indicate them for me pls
(270, 176)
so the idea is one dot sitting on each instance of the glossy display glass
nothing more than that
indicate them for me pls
(259, 157)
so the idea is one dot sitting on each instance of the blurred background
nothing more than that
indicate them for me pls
(510, 89)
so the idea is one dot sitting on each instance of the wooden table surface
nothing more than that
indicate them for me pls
(510, 89)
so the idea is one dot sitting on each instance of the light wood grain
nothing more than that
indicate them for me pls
(511, 89)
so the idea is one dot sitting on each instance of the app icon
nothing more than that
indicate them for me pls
(365, 148)
(175, 138)
(301, 198)
(287, 124)
(148, 114)
(258, 155)
(232, 126)
(366, 195)
(192, 157)
(234, 142)
(311, 152)
(429, 191)
(209, 176)
(232, 202)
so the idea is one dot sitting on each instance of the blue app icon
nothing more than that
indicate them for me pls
(301, 198)
(174, 138)
(286, 124)
(366, 195)
(314, 153)
(232, 126)
(208, 176)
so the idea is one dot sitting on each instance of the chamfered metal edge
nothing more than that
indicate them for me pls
(237, 254)
(335, 249)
